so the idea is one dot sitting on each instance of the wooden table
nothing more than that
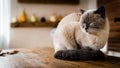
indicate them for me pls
(43, 58)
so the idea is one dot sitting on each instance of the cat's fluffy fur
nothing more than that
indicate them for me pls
(76, 37)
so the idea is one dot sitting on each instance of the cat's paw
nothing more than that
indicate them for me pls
(58, 54)
(100, 55)
(67, 55)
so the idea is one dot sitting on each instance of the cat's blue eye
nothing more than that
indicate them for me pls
(92, 24)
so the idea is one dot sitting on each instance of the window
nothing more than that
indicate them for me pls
(4, 23)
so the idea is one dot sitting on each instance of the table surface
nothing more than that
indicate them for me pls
(110, 62)
(43, 58)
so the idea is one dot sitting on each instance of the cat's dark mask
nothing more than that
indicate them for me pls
(93, 19)
(100, 11)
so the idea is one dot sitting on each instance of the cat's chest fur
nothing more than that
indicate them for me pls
(95, 41)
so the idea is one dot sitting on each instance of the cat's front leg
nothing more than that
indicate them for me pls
(79, 54)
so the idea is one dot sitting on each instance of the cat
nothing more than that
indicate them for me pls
(80, 36)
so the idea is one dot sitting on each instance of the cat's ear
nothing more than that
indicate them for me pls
(82, 11)
(101, 11)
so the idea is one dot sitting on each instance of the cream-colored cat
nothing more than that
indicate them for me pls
(81, 36)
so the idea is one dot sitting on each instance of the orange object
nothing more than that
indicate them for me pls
(60, 18)
(23, 17)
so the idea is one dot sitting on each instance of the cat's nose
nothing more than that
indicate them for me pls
(86, 29)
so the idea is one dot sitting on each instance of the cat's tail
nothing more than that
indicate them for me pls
(81, 54)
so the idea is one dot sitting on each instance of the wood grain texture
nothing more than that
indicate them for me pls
(43, 58)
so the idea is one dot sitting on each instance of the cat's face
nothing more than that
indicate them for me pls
(93, 20)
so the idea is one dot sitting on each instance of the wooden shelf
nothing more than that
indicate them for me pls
(37, 24)
(73, 2)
